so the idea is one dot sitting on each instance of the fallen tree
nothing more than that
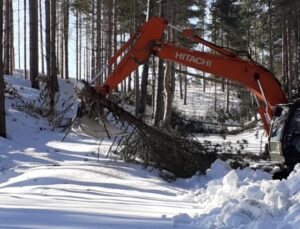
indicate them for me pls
(182, 156)
(165, 150)
(179, 154)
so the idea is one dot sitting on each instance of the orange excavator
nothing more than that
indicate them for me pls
(280, 119)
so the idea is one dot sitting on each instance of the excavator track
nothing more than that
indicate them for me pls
(277, 169)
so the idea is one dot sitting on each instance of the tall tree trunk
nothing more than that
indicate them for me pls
(41, 37)
(79, 46)
(170, 72)
(170, 90)
(129, 77)
(144, 86)
(204, 81)
(11, 37)
(48, 37)
(98, 64)
(283, 53)
(180, 78)
(115, 29)
(153, 85)
(109, 34)
(52, 52)
(290, 59)
(137, 91)
(160, 95)
(19, 37)
(185, 80)
(34, 43)
(8, 27)
(87, 57)
(84, 64)
(136, 73)
(270, 12)
(145, 74)
(60, 39)
(227, 103)
(2, 85)
(222, 44)
(25, 39)
(93, 65)
(298, 46)
(77, 43)
(66, 37)
(215, 100)
(50, 10)
(255, 42)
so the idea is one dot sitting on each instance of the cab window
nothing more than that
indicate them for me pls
(277, 126)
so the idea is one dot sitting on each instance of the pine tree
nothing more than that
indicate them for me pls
(145, 73)
(52, 82)
(25, 39)
(41, 38)
(2, 85)
(34, 43)
(8, 39)
(98, 60)
(160, 100)
(66, 38)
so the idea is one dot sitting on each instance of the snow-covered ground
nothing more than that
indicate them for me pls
(200, 102)
(46, 183)
(252, 141)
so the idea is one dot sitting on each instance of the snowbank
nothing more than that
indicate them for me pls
(244, 199)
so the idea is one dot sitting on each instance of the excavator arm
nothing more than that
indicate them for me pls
(257, 79)
(227, 64)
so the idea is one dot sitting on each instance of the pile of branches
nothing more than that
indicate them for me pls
(39, 108)
(175, 152)
(182, 156)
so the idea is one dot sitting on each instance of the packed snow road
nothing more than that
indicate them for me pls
(102, 194)
(46, 183)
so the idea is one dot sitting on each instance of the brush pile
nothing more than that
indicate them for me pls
(182, 156)
(178, 154)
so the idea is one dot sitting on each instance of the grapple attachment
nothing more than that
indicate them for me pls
(91, 116)
(98, 128)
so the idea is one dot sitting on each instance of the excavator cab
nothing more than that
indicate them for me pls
(284, 139)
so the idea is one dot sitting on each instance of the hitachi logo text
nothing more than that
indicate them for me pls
(190, 58)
